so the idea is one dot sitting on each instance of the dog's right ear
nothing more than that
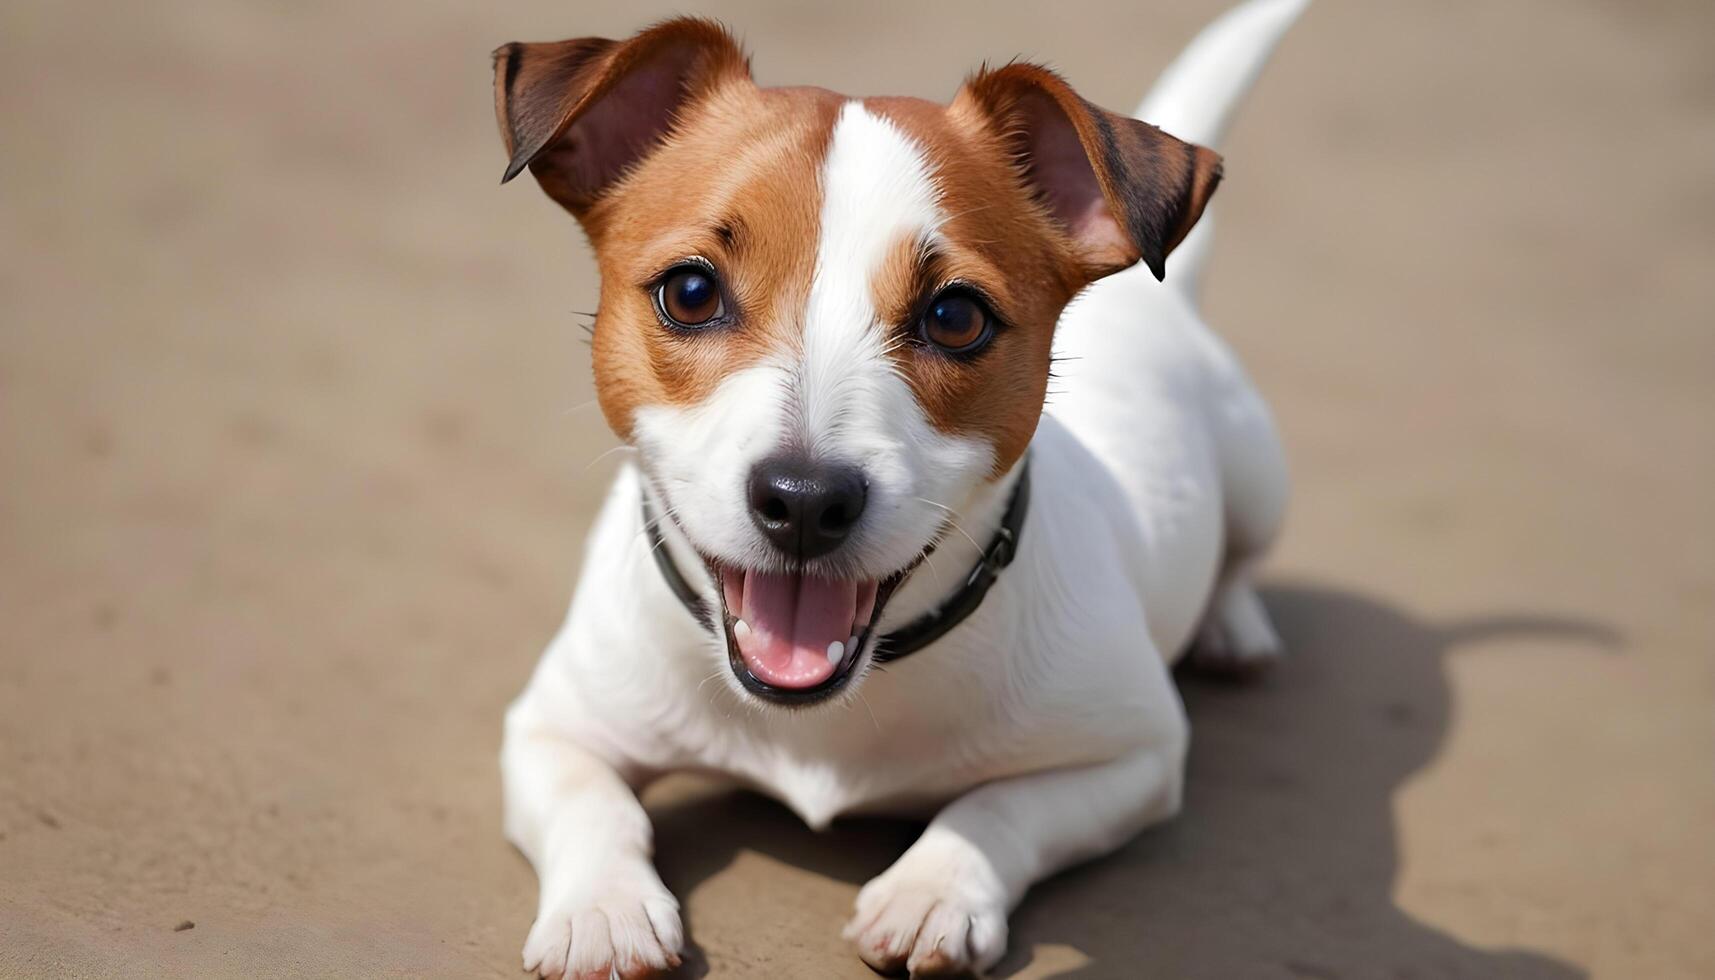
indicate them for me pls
(581, 113)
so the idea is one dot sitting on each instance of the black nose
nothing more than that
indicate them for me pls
(805, 508)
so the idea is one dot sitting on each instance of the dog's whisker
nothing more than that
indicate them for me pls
(655, 524)
(705, 681)
(865, 702)
(953, 522)
(667, 511)
(934, 573)
(621, 448)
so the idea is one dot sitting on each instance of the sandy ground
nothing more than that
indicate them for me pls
(298, 450)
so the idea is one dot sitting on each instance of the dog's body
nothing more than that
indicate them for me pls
(1042, 730)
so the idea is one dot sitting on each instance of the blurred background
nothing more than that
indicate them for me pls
(298, 448)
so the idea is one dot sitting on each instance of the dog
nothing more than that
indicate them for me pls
(855, 563)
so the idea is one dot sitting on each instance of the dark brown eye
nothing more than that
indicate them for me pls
(689, 297)
(957, 322)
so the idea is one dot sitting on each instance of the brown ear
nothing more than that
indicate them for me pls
(580, 113)
(1123, 190)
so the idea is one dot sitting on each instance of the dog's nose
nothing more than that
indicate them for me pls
(805, 508)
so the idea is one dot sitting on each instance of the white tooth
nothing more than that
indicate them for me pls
(851, 644)
(836, 651)
(740, 629)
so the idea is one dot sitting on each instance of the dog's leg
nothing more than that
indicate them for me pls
(603, 910)
(1236, 637)
(941, 909)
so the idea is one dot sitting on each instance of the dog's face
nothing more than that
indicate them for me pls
(826, 323)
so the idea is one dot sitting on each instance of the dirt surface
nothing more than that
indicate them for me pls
(298, 450)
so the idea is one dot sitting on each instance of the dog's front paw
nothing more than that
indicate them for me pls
(935, 913)
(628, 931)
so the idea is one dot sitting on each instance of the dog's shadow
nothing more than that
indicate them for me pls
(1282, 864)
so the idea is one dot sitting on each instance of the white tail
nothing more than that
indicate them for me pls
(1195, 98)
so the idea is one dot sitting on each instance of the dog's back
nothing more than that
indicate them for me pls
(1154, 394)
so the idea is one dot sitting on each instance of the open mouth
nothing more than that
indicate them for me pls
(794, 638)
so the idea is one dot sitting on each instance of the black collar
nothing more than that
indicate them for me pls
(918, 633)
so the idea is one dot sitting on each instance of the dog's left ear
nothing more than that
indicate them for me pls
(1121, 189)
(580, 113)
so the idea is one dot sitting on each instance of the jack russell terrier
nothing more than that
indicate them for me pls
(855, 563)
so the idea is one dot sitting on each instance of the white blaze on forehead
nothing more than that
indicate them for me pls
(877, 190)
(877, 187)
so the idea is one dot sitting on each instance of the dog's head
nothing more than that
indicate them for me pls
(825, 323)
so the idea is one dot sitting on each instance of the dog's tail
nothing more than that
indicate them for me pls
(1196, 97)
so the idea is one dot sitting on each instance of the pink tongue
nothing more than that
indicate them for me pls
(790, 621)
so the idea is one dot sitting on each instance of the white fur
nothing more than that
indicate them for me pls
(1044, 730)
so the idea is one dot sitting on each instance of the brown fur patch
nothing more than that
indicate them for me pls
(1122, 188)
(738, 185)
(1001, 243)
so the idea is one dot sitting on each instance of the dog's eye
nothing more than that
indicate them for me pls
(957, 322)
(689, 297)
